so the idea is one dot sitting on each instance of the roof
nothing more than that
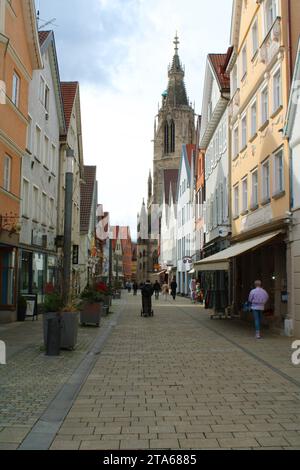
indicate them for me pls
(69, 90)
(43, 35)
(219, 63)
(86, 196)
(170, 182)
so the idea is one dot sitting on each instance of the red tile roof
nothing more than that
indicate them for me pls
(86, 196)
(43, 36)
(68, 90)
(219, 63)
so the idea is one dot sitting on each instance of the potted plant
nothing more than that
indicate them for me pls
(91, 309)
(22, 308)
(68, 317)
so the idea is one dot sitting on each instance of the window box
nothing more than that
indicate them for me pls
(277, 111)
(253, 138)
(245, 212)
(254, 207)
(278, 195)
(264, 126)
(236, 217)
(266, 201)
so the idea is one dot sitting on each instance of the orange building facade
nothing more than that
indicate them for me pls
(19, 56)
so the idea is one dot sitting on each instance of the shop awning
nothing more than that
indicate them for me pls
(221, 260)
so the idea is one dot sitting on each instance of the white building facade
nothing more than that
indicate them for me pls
(292, 132)
(185, 221)
(40, 175)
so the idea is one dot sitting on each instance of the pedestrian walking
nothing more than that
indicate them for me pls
(174, 288)
(257, 299)
(157, 289)
(165, 291)
(147, 293)
(135, 288)
(192, 287)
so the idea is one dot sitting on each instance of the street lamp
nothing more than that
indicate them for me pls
(68, 224)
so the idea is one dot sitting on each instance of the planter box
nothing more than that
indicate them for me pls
(91, 314)
(69, 329)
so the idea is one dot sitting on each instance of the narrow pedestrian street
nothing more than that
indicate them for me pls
(175, 381)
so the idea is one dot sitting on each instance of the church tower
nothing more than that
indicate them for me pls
(174, 126)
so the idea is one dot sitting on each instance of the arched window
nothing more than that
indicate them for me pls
(169, 137)
(166, 139)
(172, 137)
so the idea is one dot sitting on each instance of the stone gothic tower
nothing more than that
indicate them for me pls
(174, 126)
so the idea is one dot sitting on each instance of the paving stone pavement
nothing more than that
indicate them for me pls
(30, 380)
(182, 381)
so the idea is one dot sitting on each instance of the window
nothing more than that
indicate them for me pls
(244, 132)
(264, 105)
(253, 119)
(7, 173)
(44, 209)
(244, 61)
(277, 91)
(52, 221)
(53, 159)
(38, 137)
(266, 181)
(36, 211)
(236, 198)
(254, 202)
(47, 98)
(25, 199)
(245, 194)
(234, 79)
(46, 152)
(254, 38)
(235, 142)
(271, 13)
(16, 89)
(279, 173)
(29, 134)
(42, 90)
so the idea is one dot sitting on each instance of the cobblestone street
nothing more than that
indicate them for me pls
(175, 381)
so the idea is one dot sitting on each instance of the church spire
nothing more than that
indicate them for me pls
(176, 94)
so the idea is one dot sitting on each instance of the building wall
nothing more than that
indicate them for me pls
(38, 170)
(217, 181)
(271, 57)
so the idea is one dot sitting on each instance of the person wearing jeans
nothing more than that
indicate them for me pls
(258, 298)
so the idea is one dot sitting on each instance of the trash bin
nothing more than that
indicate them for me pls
(53, 336)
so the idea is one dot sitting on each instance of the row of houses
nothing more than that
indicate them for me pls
(40, 141)
(230, 213)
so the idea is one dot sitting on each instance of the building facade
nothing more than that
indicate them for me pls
(19, 56)
(88, 254)
(185, 219)
(261, 72)
(40, 175)
(292, 133)
(71, 141)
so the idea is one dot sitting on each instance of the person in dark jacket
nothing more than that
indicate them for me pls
(174, 288)
(147, 293)
(157, 289)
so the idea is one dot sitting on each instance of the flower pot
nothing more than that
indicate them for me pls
(91, 314)
(69, 332)
(69, 328)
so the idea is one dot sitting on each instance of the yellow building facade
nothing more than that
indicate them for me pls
(265, 37)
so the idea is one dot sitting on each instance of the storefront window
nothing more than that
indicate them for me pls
(25, 273)
(39, 275)
(7, 277)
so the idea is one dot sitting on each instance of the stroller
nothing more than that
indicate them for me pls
(147, 293)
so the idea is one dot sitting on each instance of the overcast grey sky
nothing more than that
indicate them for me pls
(119, 51)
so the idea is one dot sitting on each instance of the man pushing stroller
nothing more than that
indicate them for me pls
(147, 293)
